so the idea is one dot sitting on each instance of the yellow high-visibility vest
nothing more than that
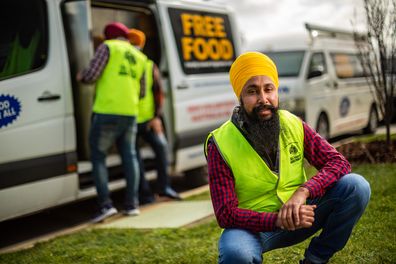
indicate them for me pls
(118, 88)
(257, 187)
(146, 104)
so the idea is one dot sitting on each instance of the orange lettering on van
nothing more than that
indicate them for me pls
(187, 47)
(200, 49)
(219, 27)
(187, 23)
(199, 30)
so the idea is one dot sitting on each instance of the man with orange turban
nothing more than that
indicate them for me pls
(259, 190)
(150, 127)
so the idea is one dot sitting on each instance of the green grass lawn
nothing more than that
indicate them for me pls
(373, 239)
(370, 138)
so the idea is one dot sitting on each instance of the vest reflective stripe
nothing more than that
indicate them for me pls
(146, 104)
(117, 90)
(257, 187)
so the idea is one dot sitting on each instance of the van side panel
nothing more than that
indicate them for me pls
(200, 47)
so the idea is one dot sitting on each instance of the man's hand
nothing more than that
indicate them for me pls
(156, 125)
(79, 76)
(289, 215)
(307, 217)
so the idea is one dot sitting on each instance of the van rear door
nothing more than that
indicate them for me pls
(201, 45)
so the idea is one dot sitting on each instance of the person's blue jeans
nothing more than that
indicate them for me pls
(105, 131)
(336, 214)
(159, 145)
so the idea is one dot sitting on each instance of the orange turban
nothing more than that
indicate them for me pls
(137, 37)
(251, 64)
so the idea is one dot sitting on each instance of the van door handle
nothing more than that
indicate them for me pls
(332, 85)
(48, 96)
(182, 86)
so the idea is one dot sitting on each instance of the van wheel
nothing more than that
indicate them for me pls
(196, 177)
(323, 126)
(373, 122)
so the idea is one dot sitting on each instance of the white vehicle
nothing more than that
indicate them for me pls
(45, 114)
(321, 79)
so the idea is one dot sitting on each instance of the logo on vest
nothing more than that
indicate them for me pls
(127, 68)
(295, 154)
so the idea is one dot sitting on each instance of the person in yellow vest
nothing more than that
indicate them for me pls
(259, 190)
(118, 69)
(150, 127)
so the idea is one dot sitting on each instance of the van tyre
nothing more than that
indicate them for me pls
(323, 126)
(196, 177)
(373, 121)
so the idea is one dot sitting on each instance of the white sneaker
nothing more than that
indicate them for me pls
(132, 212)
(104, 213)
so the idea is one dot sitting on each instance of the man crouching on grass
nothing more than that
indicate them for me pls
(260, 193)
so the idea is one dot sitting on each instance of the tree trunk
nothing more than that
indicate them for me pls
(388, 118)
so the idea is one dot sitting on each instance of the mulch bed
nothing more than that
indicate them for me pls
(373, 152)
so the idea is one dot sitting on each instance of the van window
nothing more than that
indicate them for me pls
(139, 18)
(204, 40)
(23, 42)
(318, 63)
(347, 65)
(288, 63)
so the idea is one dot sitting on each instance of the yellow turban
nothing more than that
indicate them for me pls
(251, 64)
(137, 37)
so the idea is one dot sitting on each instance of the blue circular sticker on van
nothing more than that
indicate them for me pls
(283, 89)
(10, 108)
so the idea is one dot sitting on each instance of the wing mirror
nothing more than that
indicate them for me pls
(315, 72)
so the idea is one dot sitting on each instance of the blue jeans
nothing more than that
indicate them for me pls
(159, 145)
(336, 214)
(105, 131)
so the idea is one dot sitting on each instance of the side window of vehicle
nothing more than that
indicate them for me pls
(317, 65)
(347, 65)
(24, 40)
(140, 19)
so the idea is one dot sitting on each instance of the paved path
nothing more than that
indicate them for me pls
(164, 215)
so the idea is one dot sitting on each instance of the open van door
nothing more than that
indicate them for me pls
(201, 46)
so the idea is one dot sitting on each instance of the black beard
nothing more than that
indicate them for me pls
(263, 134)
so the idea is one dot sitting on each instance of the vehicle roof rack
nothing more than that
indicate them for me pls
(316, 31)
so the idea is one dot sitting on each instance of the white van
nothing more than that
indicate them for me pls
(321, 79)
(45, 114)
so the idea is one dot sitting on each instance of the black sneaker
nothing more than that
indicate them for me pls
(104, 212)
(146, 199)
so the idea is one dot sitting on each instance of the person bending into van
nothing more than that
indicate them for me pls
(150, 127)
(118, 69)
(258, 186)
